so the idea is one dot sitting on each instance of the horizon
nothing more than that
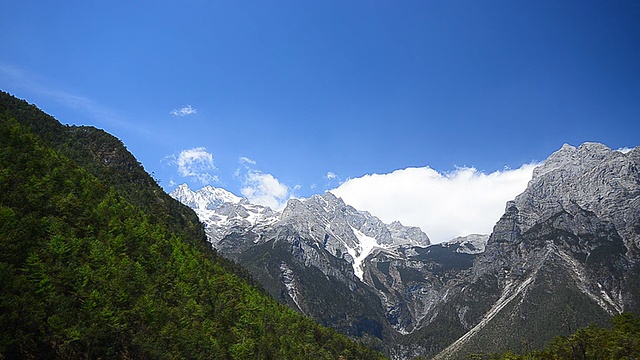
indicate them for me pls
(442, 104)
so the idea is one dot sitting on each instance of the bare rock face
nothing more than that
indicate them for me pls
(564, 254)
(593, 177)
(567, 244)
(344, 231)
(407, 235)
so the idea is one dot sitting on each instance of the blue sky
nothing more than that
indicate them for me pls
(292, 98)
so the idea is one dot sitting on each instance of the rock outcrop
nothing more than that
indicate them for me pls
(564, 255)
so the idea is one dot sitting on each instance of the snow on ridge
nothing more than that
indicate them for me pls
(367, 244)
(470, 244)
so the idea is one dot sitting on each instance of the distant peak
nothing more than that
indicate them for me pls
(208, 197)
(586, 147)
(215, 194)
(329, 195)
(569, 156)
(183, 187)
(594, 147)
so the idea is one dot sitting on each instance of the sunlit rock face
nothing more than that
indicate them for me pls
(563, 255)
(591, 176)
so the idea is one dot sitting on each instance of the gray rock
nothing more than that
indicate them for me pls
(563, 255)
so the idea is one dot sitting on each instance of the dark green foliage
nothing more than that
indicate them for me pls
(87, 272)
(105, 157)
(622, 341)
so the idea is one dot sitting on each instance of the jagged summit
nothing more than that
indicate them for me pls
(574, 231)
(575, 158)
(345, 227)
(470, 244)
(342, 230)
(346, 232)
(207, 198)
(564, 254)
(592, 176)
(221, 211)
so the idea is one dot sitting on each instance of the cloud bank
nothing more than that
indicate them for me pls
(264, 189)
(444, 206)
(195, 163)
(183, 111)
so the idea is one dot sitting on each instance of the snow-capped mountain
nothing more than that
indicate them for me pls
(565, 253)
(323, 234)
(347, 231)
(222, 212)
(207, 198)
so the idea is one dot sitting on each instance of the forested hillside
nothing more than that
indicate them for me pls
(621, 341)
(97, 262)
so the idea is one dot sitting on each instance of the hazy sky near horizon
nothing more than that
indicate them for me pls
(447, 101)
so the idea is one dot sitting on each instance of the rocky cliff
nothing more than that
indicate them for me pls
(563, 255)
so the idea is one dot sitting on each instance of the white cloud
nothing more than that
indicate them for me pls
(195, 163)
(444, 206)
(331, 175)
(183, 111)
(264, 189)
(246, 160)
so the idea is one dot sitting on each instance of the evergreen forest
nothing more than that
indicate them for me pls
(620, 341)
(96, 261)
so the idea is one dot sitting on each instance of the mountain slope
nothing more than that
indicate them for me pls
(319, 241)
(105, 157)
(86, 272)
(564, 254)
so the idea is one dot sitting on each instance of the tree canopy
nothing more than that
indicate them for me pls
(88, 270)
(621, 341)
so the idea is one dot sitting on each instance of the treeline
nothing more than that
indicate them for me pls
(105, 157)
(621, 341)
(87, 272)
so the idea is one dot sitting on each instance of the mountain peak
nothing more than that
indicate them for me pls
(592, 176)
(207, 198)
(593, 147)
(570, 158)
(183, 187)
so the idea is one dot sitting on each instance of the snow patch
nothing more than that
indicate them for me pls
(289, 282)
(366, 245)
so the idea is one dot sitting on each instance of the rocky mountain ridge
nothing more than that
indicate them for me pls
(563, 255)
(592, 176)
(345, 232)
